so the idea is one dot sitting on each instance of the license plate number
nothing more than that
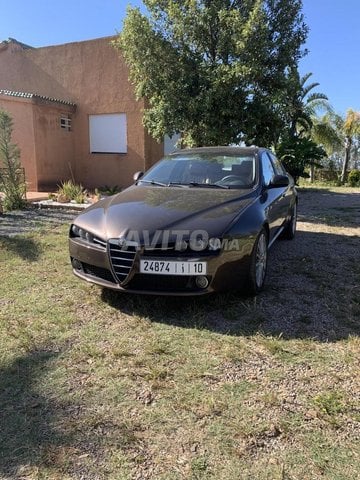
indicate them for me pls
(159, 267)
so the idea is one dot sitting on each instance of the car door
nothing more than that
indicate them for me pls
(273, 197)
(288, 194)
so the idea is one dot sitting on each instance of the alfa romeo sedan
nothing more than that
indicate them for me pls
(200, 220)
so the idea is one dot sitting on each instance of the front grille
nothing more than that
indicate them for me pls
(163, 283)
(122, 259)
(98, 272)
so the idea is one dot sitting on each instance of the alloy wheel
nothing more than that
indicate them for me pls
(261, 260)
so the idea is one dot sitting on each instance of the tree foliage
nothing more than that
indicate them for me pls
(338, 134)
(12, 183)
(297, 153)
(303, 104)
(297, 148)
(215, 71)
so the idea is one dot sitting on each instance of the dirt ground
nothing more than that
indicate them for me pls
(316, 277)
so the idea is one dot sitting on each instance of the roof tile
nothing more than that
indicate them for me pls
(35, 95)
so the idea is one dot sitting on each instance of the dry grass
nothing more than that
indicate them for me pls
(95, 385)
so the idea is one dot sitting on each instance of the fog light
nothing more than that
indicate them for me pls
(202, 282)
(76, 264)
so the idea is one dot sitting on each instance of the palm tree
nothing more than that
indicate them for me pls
(351, 128)
(304, 105)
(301, 106)
(335, 133)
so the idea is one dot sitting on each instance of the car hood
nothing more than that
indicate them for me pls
(150, 209)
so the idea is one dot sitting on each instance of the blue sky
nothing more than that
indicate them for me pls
(333, 41)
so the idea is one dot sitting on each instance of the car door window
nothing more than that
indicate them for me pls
(279, 169)
(267, 169)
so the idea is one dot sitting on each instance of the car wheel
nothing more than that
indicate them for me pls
(258, 264)
(290, 229)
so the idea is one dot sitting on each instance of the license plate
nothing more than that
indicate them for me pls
(160, 267)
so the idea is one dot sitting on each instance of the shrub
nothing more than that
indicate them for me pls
(12, 178)
(354, 178)
(72, 191)
(299, 153)
(108, 191)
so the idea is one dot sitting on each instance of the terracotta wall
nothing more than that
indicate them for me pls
(54, 145)
(93, 75)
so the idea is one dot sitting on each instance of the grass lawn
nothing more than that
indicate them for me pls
(96, 385)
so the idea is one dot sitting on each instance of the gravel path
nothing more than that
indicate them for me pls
(24, 221)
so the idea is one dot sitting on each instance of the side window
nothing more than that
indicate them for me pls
(279, 169)
(267, 168)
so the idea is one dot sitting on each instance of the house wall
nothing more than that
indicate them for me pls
(54, 145)
(93, 75)
(22, 114)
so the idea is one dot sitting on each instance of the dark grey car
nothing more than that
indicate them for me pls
(200, 220)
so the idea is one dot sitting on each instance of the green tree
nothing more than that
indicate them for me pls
(303, 104)
(215, 71)
(351, 128)
(297, 153)
(12, 183)
(296, 147)
(326, 131)
(337, 133)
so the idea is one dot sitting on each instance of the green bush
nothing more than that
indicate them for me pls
(72, 191)
(299, 153)
(354, 178)
(12, 177)
(108, 191)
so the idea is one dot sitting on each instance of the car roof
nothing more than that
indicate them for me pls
(219, 150)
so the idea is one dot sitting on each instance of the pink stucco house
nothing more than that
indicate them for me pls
(74, 113)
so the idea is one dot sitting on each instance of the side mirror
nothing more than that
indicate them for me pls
(279, 181)
(137, 176)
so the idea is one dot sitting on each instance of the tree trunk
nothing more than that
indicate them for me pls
(312, 173)
(346, 160)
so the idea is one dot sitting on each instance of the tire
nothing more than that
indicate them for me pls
(258, 264)
(290, 229)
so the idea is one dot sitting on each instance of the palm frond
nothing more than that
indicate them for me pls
(316, 96)
(305, 78)
(326, 134)
(352, 123)
(307, 89)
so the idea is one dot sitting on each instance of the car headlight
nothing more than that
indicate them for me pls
(81, 233)
(77, 232)
(88, 237)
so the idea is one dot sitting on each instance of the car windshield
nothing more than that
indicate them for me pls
(203, 170)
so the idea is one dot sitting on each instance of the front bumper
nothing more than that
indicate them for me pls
(226, 270)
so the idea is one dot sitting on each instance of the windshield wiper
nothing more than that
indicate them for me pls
(189, 184)
(177, 184)
(207, 185)
(153, 182)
